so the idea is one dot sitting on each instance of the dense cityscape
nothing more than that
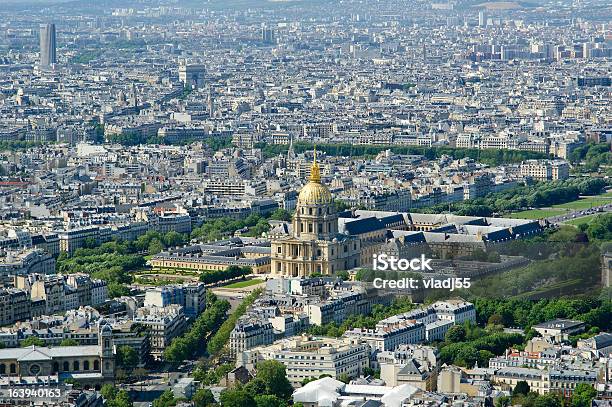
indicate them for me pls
(261, 203)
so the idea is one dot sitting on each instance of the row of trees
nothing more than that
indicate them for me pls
(595, 312)
(16, 145)
(134, 139)
(269, 388)
(465, 345)
(591, 156)
(114, 261)
(522, 395)
(216, 276)
(491, 157)
(192, 343)
(221, 337)
(542, 194)
(220, 228)
(566, 273)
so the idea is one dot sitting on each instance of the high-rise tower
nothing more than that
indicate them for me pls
(47, 45)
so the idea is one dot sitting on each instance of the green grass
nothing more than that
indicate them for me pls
(577, 205)
(583, 220)
(243, 284)
(536, 213)
(584, 203)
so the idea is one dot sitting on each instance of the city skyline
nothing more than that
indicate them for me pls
(308, 203)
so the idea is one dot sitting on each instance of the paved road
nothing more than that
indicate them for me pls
(579, 213)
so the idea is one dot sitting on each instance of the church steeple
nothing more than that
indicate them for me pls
(315, 171)
(291, 150)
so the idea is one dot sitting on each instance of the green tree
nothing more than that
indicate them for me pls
(203, 398)
(121, 400)
(269, 400)
(281, 214)
(69, 342)
(173, 238)
(273, 374)
(583, 395)
(236, 398)
(496, 319)
(344, 378)
(127, 357)
(155, 246)
(343, 275)
(32, 340)
(548, 400)
(165, 400)
(521, 388)
(108, 391)
(455, 334)
(503, 401)
(89, 243)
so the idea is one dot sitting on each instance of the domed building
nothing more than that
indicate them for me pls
(313, 244)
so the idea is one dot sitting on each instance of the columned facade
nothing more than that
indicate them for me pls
(314, 245)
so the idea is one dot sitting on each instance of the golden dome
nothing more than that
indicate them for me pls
(315, 193)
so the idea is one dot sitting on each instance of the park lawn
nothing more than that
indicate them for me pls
(584, 203)
(536, 213)
(246, 283)
(579, 221)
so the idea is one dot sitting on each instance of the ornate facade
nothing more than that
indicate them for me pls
(94, 364)
(313, 244)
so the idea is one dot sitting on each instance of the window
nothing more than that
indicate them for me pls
(86, 365)
(66, 366)
(2, 368)
(76, 366)
(279, 249)
(35, 369)
(96, 365)
(13, 368)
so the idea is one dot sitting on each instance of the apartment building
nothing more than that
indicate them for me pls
(249, 333)
(308, 358)
(389, 338)
(164, 323)
(14, 305)
(545, 170)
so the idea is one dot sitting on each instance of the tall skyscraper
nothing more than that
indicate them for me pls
(482, 19)
(267, 35)
(47, 45)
